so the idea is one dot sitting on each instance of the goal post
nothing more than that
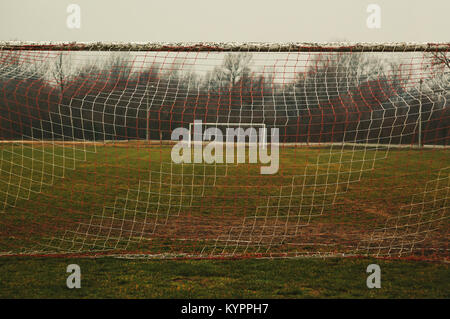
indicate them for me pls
(348, 149)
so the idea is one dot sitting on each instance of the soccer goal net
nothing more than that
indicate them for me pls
(211, 150)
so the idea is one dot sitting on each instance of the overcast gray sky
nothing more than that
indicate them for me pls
(226, 20)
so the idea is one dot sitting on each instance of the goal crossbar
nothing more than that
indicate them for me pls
(226, 46)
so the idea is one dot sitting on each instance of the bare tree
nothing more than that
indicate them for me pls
(339, 72)
(117, 70)
(440, 59)
(11, 65)
(439, 77)
(10, 57)
(235, 68)
(61, 71)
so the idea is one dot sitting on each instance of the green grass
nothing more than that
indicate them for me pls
(43, 204)
(51, 194)
(248, 278)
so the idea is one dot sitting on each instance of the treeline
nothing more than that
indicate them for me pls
(338, 98)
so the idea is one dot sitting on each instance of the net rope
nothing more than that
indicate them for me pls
(86, 147)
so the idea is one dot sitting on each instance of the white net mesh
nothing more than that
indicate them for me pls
(354, 139)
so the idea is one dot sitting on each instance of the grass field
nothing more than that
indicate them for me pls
(248, 278)
(130, 198)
